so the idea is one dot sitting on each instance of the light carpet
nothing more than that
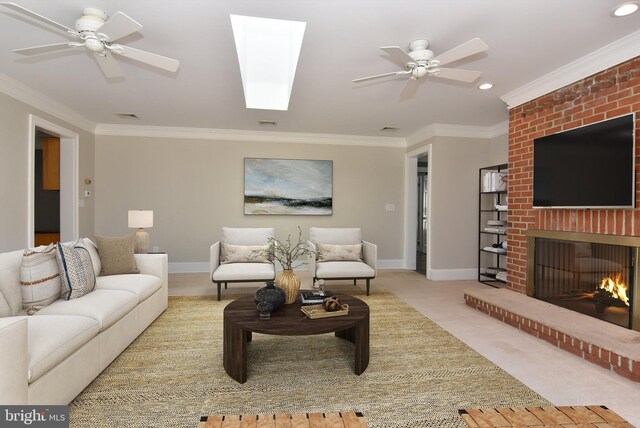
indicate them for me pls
(419, 375)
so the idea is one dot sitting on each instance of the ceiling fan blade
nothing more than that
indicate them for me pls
(467, 76)
(398, 54)
(40, 18)
(393, 73)
(410, 89)
(119, 26)
(109, 66)
(469, 48)
(36, 50)
(155, 60)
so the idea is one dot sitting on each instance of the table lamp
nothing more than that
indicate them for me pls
(140, 219)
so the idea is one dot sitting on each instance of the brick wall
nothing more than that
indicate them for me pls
(610, 93)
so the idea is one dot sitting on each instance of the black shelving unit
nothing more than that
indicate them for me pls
(490, 262)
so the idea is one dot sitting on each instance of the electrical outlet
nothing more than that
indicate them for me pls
(390, 207)
(156, 249)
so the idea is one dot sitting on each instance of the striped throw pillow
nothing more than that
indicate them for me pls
(39, 278)
(76, 270)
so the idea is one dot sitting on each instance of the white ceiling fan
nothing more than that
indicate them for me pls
(421, 62)
(96, 32)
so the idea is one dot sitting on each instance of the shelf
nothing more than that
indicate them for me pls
(487, 203)
(491, 252)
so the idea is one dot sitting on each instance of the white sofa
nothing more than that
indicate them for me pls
(50, 357)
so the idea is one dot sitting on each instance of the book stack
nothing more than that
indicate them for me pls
(314, 297)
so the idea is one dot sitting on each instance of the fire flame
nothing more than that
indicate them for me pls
(617, 288)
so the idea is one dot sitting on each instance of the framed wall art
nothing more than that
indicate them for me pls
(288, 186)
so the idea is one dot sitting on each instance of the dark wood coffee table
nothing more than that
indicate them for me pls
(241, 320)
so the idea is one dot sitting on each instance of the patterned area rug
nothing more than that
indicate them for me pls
(418, 376)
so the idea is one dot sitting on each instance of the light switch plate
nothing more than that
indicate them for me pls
(390, 207)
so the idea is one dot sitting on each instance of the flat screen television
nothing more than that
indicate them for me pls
(587, 167)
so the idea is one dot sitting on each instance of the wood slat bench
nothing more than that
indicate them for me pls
(286, 420)
(561, 416)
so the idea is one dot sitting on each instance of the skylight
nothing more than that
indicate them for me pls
(268, 51)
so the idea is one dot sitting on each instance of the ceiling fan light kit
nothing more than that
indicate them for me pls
(422, 62)
(96, 32)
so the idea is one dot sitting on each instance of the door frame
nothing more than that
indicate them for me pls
(411, 220)
(69, 149)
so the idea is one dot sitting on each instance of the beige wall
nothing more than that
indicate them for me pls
(14, 131)
(195, 187)
(453, 171)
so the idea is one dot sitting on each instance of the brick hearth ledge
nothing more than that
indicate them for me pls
(610, 346)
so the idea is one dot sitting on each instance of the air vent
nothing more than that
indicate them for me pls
(267, 123)
(389, 128)
(127, 115)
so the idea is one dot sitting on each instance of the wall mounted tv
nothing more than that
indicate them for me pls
(587, 167)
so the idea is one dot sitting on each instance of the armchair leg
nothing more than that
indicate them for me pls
(368, 280)
(355, 282)
(218, 284)
(225, 285)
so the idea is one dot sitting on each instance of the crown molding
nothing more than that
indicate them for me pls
(240, 135)
(462, 131)
(36, 99)
(608, 56)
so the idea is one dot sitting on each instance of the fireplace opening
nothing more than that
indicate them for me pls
(595, 279)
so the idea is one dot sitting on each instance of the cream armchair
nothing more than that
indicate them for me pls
(234, 258)
(342, 254)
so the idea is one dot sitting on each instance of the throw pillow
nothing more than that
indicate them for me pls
(245, 253)
(76, 270)
(341, 253)
(39, 278)
(116, 254)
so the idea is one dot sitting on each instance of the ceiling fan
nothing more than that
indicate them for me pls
(96, 32)
(421, 62)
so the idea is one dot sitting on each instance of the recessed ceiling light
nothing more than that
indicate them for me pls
(625, 9)
(486, 86)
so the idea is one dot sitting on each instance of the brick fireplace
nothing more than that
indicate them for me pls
(610, 93)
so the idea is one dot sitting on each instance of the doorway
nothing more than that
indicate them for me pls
(46, 191)
(423, 209)
(68, 178)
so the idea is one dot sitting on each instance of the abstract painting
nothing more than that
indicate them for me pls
(288, 186)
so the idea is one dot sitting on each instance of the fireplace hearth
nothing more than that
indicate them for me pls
(587, 273)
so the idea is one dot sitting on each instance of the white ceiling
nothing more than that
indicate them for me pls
(527, 39)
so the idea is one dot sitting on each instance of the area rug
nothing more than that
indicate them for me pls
(418, 376)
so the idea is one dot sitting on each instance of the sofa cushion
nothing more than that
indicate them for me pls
(95, 257)
(244, 271)
(245, 253)
(11, 296)
(104, 306)
(344, 270)
(76, 270)
(329, 252)
(39, 278)
(116, 254)
(140, 284)
(54, 338)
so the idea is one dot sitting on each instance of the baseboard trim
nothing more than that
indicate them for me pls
(198, 267)
(452, 274)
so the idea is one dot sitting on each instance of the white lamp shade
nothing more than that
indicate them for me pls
(140, 218)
